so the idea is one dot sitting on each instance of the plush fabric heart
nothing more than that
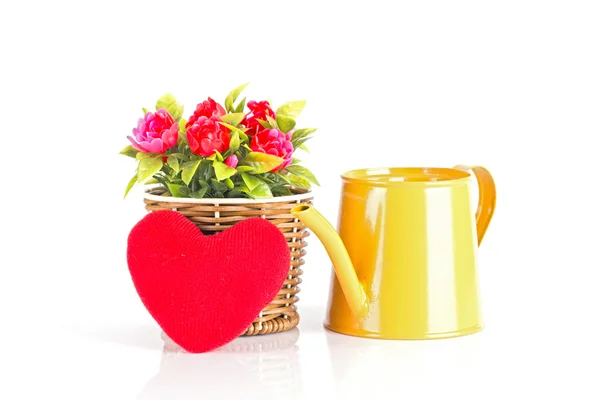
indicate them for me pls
(204, 291)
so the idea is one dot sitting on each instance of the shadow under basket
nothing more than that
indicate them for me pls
(215, 215)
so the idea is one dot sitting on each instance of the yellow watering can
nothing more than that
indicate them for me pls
(405, 257)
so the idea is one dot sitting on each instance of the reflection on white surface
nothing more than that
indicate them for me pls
(265, 364)
(370, 368)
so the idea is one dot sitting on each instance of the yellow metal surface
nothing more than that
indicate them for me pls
(405, 260)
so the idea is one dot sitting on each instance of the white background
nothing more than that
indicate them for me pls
(511, 85)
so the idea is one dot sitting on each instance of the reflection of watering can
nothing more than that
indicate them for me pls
(404, 260)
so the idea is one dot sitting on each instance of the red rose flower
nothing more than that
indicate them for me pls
(206, 136)
(275, 142)
(208, 108)
(258, 110)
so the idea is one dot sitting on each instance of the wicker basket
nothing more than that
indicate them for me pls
(214, 215)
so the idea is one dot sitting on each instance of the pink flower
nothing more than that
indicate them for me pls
(208, 108)
(275, 142)
(206, 136)
(258, 110)
(155, 133)
(232, 161)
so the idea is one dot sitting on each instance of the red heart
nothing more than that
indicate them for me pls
(204, 291)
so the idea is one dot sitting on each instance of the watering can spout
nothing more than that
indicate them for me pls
(353, 290)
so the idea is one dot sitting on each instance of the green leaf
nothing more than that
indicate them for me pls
(299, 142)
(272, 122)
(285, 124)
(130, 185)
(229, 183)
(303, 147)
(188, 170)
(244, 168)
(291, 109)
(264, 178)
(198, 194)
(261, 191)
(184, 191)
(284, 177)
(264, 124)
(218, 195)
(300, 136)
(296, 161)
(240, 132)
(234, 143)
(205, 171)
(180, 156)
(303, 173)
(262, 162)
(141, 155)
(232, 97)
(203, 183)
(243, 137)
(233, 119)
(223, 171)
(145, 110)
(281, 191)
(147, 168)
(173, 162)
(251, 181)
(175, 189)
(182, 123)
(129, 151)
(235, 193)
(218, 186)
(302, 133)
(170, 103)
(215, 156)
(240, 106)
(299, 181)
(241, 186)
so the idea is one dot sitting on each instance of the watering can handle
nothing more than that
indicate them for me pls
(487, 197)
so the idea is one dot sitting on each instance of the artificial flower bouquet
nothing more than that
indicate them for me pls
(242, 150)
